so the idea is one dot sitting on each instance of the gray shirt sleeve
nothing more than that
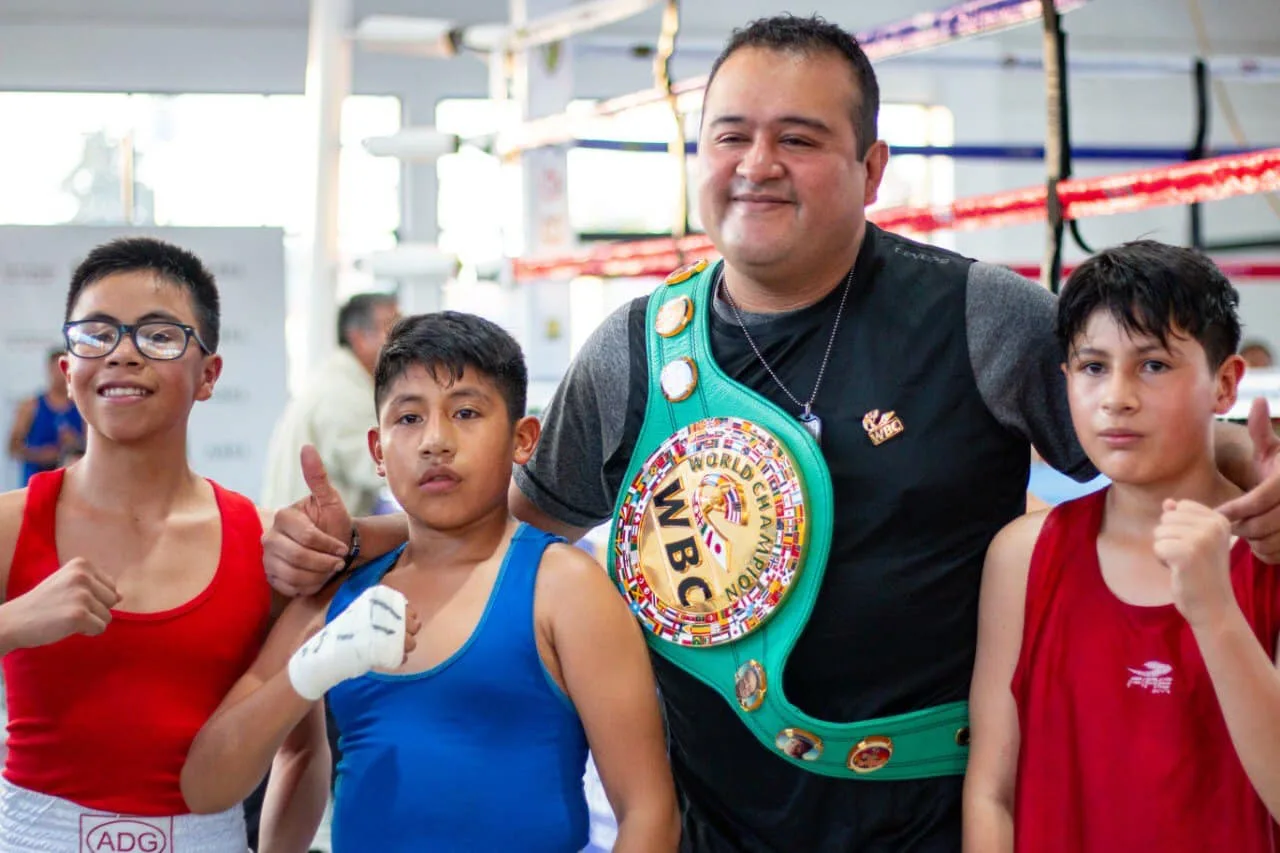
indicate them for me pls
(583, 429)
(1017, 364)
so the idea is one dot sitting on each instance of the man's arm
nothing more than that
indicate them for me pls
(1017, 364)
(589, 430)
(601, 657)
(993, 714)
(525, 510)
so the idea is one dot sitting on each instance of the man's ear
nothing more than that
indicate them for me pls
(876, 160)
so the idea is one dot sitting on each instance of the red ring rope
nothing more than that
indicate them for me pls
(1183, 183)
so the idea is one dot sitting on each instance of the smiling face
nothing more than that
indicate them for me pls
(1144, 410)
(783, 188)
(126, 397)
(446, 446)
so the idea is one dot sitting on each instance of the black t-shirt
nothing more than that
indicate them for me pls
(969, 367)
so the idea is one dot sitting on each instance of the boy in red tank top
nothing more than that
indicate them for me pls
(134, 591)
(1125, 694)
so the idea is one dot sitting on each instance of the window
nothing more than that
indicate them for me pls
(913, 179)
(195, 160)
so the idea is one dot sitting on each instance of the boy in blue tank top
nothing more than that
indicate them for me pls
(470, 669)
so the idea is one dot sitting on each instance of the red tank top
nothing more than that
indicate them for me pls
(106, 721)
(1124, 747)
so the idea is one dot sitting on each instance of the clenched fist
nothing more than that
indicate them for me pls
(76, 599)
(1194, 543)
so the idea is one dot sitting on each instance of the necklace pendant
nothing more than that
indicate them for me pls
(813, 425)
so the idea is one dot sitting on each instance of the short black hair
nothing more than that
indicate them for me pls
(358, 314)
(54, 354)
(453, 341)
(809, 36)
(1150, 288)
(172, 263)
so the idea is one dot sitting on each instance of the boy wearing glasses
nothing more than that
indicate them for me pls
(134, 592)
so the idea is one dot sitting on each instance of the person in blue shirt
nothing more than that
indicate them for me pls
(47, 428)
(469, 669)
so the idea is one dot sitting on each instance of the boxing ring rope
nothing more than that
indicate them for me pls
(920, 32)
(1234, 270)
(1201, 180)
(973, 151)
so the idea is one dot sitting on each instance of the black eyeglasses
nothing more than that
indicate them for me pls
(155, 340)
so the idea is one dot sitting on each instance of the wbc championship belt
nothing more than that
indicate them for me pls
(719, 543)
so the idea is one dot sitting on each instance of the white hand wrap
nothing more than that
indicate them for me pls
(368, 634)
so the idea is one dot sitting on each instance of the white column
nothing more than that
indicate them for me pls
(542, 82)
(421, 294)
(328, 81)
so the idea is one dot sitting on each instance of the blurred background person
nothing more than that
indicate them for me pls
(1256, 354)
(47, 429)
(334, 411)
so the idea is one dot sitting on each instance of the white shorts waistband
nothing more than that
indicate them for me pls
(31, 822)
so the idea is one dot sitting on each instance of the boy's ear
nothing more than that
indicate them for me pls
(1228, 384)
(375, 450)
(210, 370)
(528, 431)
(64, 366)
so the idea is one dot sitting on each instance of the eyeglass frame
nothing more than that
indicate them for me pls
(131, 330)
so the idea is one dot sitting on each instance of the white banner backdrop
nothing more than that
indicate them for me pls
(229, 433)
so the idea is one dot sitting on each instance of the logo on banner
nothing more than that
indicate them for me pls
(28, 273)
(227, 451)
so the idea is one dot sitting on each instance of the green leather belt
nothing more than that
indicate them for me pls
(720, 538)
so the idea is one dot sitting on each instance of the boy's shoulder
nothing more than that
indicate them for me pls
(569, 577)
(1012, 547)
(12, 506)
(569, 561)
(27, 406)
(12, 503)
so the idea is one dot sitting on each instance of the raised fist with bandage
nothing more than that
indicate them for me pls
(376, 631)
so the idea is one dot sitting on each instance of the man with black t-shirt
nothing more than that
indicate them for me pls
(804, 452)
(927, 375)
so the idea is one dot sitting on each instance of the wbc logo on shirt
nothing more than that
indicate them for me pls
(111, 834)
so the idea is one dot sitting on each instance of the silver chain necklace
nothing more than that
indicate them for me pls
(808, 419)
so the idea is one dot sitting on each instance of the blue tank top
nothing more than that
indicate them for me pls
(481, 753)
(44, 431)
